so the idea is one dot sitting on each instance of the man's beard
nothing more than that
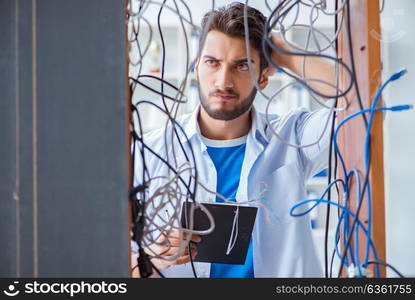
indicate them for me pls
(227, 115)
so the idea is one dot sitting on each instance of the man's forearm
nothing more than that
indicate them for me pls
(312, 67)
(309, 67)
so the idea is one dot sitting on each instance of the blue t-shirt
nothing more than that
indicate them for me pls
(227, 156)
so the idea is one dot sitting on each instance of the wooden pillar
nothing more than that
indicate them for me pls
(365, 33)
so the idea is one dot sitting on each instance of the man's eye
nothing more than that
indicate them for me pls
(211, 62)
(243, 67)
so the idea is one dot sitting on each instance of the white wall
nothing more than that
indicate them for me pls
(398, 43)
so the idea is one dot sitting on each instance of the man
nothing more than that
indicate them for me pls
(237, 155)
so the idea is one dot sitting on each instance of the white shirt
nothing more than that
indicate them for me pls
(284, 247)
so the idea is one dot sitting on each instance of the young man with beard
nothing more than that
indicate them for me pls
(237, 155)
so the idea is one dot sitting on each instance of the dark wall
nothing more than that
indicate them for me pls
(63, 139)
(8, 176)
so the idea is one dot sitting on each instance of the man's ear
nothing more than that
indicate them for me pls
(264, 78)
(197, 65)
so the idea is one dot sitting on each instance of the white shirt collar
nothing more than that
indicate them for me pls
(224, 143)
(192, 129)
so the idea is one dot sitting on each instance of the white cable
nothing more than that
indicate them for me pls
(234, 233)
(172, 192)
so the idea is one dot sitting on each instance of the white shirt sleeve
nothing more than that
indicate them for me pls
(309, 128)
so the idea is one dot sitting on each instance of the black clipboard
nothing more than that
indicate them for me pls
(213, 247)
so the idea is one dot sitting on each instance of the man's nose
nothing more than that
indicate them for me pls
(224, 79)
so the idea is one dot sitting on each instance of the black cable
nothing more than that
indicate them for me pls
(267, 5)
(162, 81)
(137, 206)
(329, 192)
(336, 160)
(191, 190)
(366, 180)
(338, 61)
(356, 218)
(188, 11)
(157, 270)
(145, 168)
(332, 257)
(267, 41)
(338, 214)
(326, 233)
(380, 262)
(158, 156)
(168, 113)
(153, 268)
(163, 54)
(192, 185)
(162, 86)
(177, 107)
(192, 197)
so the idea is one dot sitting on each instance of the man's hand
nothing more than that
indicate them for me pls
(168, 247)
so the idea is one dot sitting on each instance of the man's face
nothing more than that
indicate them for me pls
(225, 85)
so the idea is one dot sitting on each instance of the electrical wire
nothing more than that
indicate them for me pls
(155, 194)
(379, 262)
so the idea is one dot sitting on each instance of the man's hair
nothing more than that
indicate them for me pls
(229, 20)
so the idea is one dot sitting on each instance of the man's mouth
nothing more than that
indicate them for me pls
(224, 97)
